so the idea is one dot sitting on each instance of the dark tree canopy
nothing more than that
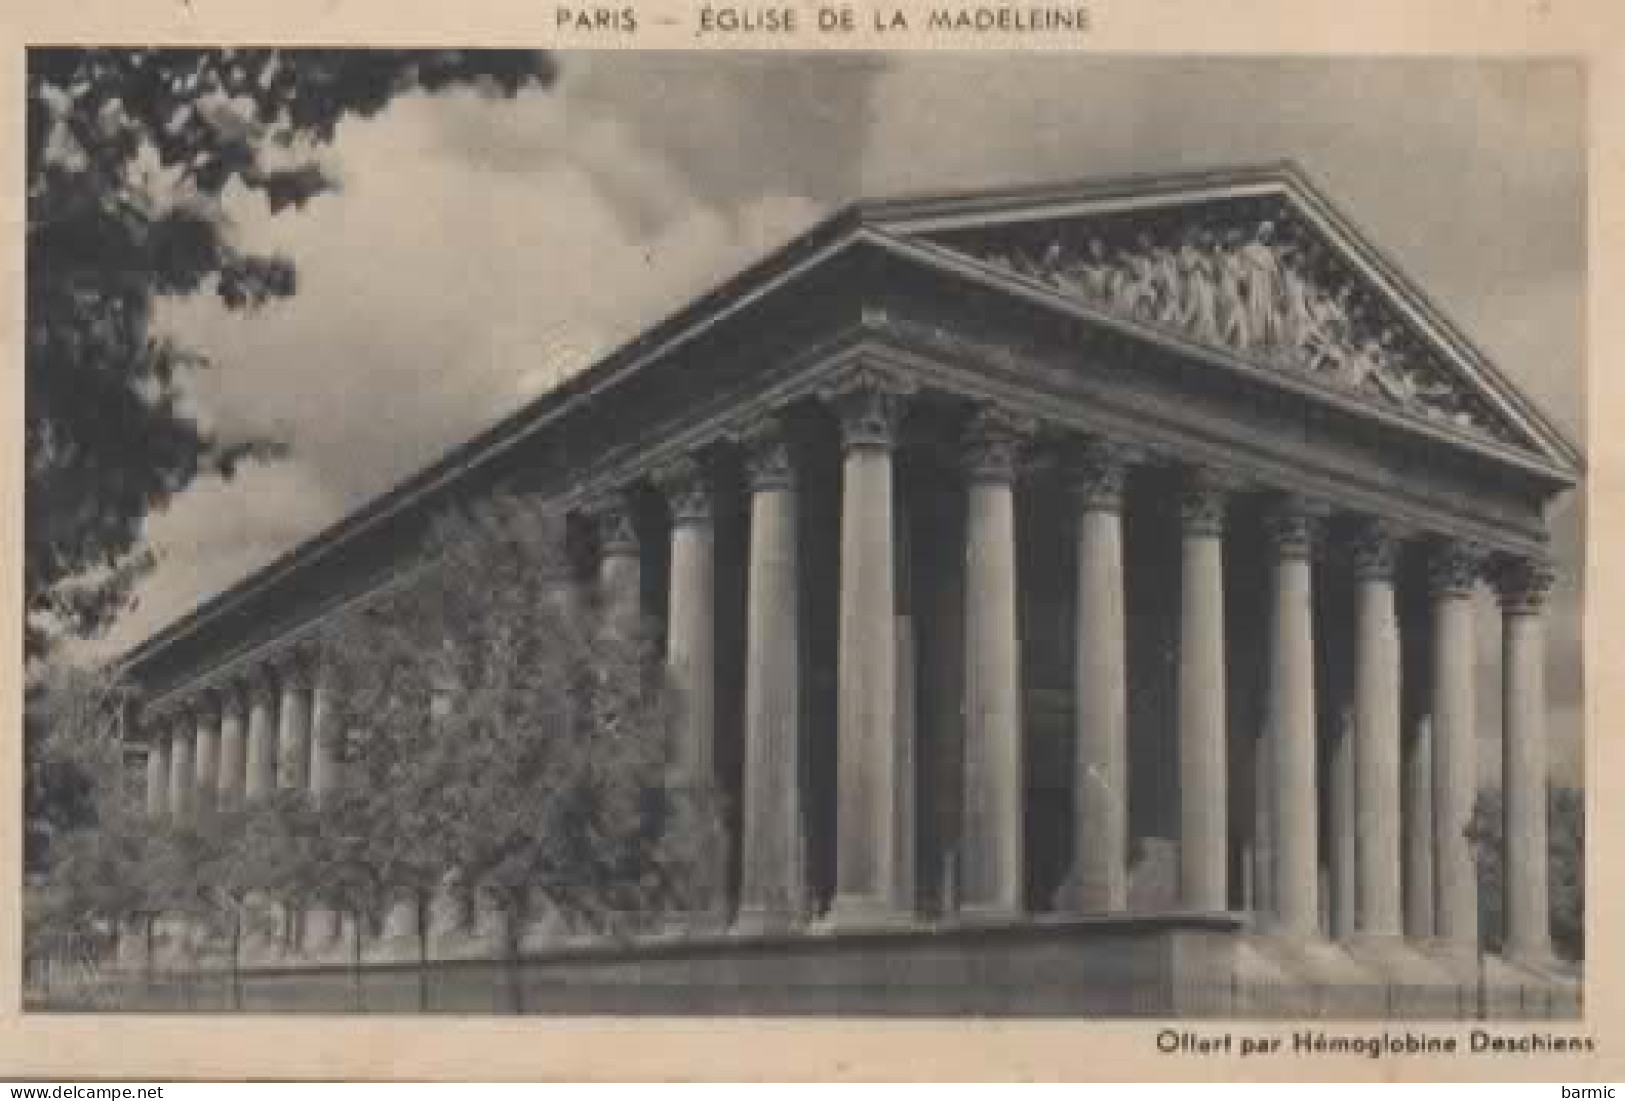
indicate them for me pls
(129, 154)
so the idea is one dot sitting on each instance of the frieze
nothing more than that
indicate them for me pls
(1263, 289)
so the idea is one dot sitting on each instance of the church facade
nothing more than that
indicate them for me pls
(1065, 585)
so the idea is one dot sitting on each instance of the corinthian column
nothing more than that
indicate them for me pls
(872, 761)
(690, 614)
(691, 660)
(1289, 725)
(206, 755)
(620, 579)
(322, 925)
(1203, 849)
(992, 869)
(262, 740)
(157, 769)
(233, 747)
(293, 734)
(1452, 576)
(1524, 584)
(1378, 873)
(1099, 877)
(182, 770)
(773, 873)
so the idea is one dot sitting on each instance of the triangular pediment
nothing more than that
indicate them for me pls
(1256, 265)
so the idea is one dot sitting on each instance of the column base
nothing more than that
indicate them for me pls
(987, 913)
(855, 912)
(1088, 899)
(760, 921)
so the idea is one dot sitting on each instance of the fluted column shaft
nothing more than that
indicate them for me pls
(1418, 826)
(324, 774)
(992, 868)
(182, 769)
(322, 926)
(871, 759)
(1343, 826)
(262, 740)
(1203, 856)
(691, 617)
(206, 757)
(1376, 723)
(293, 734)
(1099, 879)
(1290, 727)
(772, 884)
(157, 774)
(232, 778)
(1453, 573)
(1524, 585)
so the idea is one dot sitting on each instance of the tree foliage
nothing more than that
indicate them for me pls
(510, 741)
(130, 154)
(1565, 868)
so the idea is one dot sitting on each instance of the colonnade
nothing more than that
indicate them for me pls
(1402, 792)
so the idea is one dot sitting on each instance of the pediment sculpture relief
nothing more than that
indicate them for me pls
(1263, 295)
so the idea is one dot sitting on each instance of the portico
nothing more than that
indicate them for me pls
(1069, 552)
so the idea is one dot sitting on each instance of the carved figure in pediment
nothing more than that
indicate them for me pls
(1138, 291)
(1168, 303)
(1326, 340)
(1235, 324)
(1049, 265)
(1098, 272)
(1298, 295)
(1198, 274)
(1261, 288)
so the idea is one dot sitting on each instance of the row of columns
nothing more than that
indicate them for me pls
(236, 742)
(1400, 805)
(1385, 788)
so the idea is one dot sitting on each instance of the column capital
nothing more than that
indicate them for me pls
(1454, 567)
(261, 684)
(1204, 498)
(1097, 471)
(294, 667)
(207, 707)
(1523, 582)
(178, 713)
(1373, 548)
(769, 463)
(1292, 524)
(685, 483)
(993, 441)
(612, 515)
(868, 403)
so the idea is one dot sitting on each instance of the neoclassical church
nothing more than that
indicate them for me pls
(1072, 588)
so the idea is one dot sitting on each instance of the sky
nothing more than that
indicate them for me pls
(478, 250)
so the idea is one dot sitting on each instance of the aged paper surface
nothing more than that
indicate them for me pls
(1153, 44)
